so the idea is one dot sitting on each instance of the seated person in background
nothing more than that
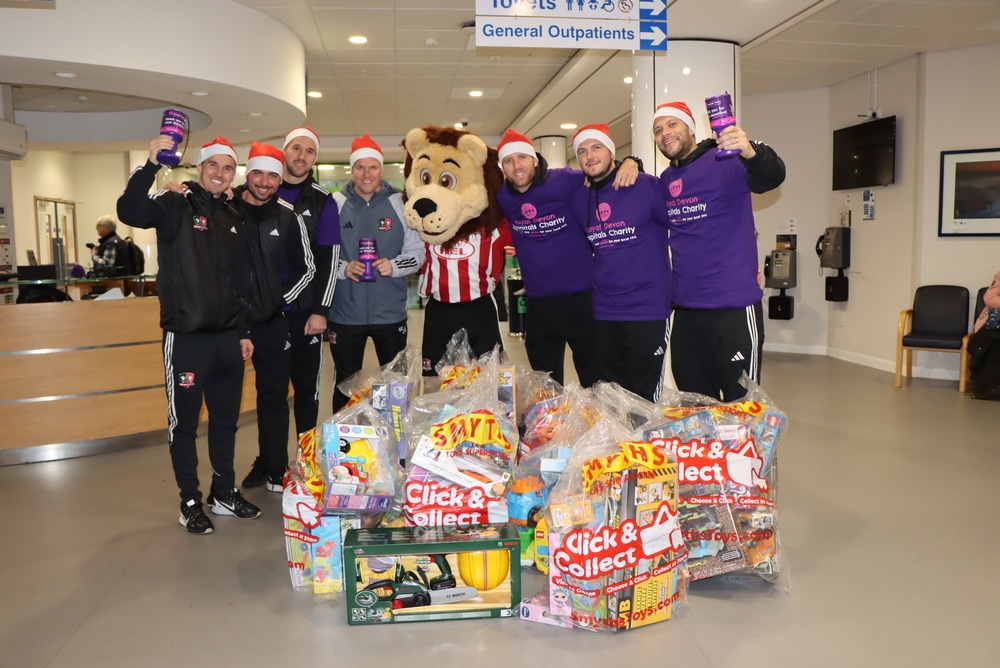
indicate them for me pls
(984, 346)
(991, 302)
(110, 256)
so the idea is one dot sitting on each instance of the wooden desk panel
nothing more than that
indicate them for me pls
(85, 371)
(76, 372)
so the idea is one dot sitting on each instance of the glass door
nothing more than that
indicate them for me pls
(55, 231)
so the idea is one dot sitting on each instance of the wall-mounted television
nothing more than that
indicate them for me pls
(864, 155)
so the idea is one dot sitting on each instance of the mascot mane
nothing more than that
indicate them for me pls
(452, 179)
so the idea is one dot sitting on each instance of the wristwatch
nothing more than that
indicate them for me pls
(637, 159)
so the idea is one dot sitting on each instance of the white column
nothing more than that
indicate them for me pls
(689, 71)
(552, 148)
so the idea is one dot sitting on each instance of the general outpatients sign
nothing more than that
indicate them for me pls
(638, 25)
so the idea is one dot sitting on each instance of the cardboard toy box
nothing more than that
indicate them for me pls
(314, 553)
(391, 400)
(414, 574)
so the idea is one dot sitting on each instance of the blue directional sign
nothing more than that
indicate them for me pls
(594, 24)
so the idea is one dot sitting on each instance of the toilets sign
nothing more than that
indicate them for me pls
(638, 25)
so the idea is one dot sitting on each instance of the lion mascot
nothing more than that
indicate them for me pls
(451, 178)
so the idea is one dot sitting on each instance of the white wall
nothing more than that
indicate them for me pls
(863, 329)
(99, 181)
(961, 106)
(48, 174)
(796, 125)
(942, 101)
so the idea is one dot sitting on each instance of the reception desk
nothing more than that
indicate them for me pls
(79, 378)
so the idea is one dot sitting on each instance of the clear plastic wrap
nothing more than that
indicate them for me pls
(462, 451)
(576, 407)
(616, 550)
(728, 480)
(357, 458)
(533, 388)
(393, 391)
(458, 369)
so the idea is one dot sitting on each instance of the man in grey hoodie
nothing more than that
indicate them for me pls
(370, 304)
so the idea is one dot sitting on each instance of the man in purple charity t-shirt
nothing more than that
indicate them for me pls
(718, 327)
(627, 230)
(554, 255)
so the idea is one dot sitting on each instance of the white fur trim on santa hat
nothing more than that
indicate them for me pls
(265, 163)
(516, 147)
(678, 110)
(365, 147)
(514, 142)
(300, 132)
(217, 148)
(592, 133)
(366, 153)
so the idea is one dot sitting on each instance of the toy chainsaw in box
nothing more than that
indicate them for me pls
(411, 574)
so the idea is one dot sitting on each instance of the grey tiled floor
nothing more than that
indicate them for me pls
(887, 514)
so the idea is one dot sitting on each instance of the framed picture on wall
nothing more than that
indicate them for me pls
(969, 204)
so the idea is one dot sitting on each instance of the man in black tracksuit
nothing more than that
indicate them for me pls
(307, 316)
(275, 266)
(198, 238)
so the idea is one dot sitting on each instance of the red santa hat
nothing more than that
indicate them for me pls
(365, 147)
(218, 146)
(303, 131)
(265, 158)
(598, 131)
(677, 110)
(514, 142)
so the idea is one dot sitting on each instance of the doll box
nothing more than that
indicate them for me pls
(413, 574)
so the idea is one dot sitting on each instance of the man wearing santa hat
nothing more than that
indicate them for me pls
(275, 267)
(307, 316)
(627, 230)
(718, 327)
(370, 208)
(198, 238)
(554, 255)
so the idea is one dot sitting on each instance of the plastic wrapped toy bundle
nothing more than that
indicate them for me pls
(626, 407)
(461, 457)
(313, 542)
(405, 366)
(357, 457)
(358, 386)
(543, 420)
(728, 479)
(534, 387)
(616, 551)
(458, 369)
(539, 470)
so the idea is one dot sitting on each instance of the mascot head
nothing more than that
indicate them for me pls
(452, 178)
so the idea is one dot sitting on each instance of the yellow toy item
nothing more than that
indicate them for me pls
(484, 570)
(542, 545)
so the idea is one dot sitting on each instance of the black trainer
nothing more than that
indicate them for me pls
(233, 504)
(194, 519)
(276, 482)
(258, 474)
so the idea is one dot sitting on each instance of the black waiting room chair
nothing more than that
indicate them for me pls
(938, 321)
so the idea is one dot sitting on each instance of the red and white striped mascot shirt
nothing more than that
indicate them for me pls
(467, 271)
